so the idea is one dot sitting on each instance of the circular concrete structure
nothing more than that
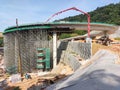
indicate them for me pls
(20, 42)
(61, 25)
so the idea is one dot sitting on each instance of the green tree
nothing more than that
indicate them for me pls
(107, 14)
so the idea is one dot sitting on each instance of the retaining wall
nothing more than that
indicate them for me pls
(67, 52)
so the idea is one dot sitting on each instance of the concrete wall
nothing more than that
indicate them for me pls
(71, 52)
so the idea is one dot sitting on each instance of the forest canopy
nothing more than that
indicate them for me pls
(107, 14)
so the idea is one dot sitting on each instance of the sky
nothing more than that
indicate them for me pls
(36, 11)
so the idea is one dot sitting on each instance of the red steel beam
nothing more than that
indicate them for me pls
(73, 8)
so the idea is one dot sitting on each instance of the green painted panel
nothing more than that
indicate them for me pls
(40, 66)
(39, 61)
(46, 26)
(46, 53)
(25, 28)
(40, 54)
(47, 58)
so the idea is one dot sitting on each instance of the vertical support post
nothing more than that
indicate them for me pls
(89, 40)
(16, 53)
(54, 49)
(19, 55)
(88, 18)
(105, 33)
(91, 49)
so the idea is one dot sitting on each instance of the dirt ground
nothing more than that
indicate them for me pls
(55, 75)
(61, 70)
(114, 48)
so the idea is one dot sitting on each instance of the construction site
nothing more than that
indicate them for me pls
(36, 59)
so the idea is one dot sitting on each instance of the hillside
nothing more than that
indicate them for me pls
(108, 14)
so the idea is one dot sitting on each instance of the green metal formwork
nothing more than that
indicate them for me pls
(40, 66)
(45, 54)
(47, 62)
(12, 70)
(40, 54)
(40, 61)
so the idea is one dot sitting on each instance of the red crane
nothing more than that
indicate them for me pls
(74, 8)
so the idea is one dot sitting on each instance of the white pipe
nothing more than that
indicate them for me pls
(54, 49)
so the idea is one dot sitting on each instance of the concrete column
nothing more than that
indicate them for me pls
(89, 40)
(54, 49)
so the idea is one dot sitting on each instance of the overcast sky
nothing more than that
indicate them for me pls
(34, 11)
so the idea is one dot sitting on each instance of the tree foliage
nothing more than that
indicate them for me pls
(75, 33)
(108, 14)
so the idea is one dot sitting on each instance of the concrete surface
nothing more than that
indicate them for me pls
(102, 74)
(72, 52)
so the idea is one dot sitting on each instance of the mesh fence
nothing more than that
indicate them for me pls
(21, 46)
(9, 51)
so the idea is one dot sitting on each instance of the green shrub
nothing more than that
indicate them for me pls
(80, 32)
(65, 35)
(118, 38)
